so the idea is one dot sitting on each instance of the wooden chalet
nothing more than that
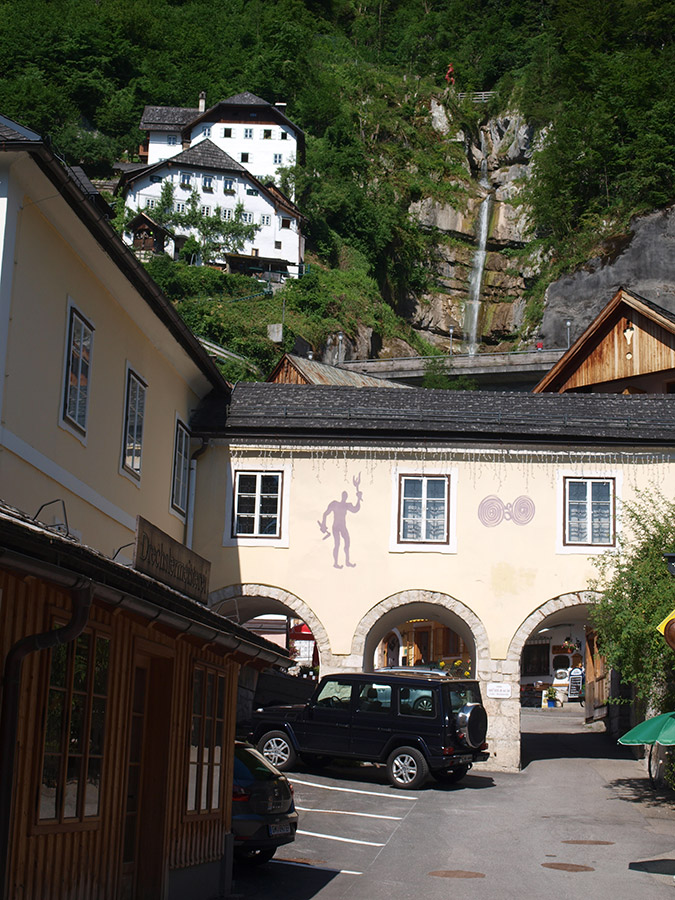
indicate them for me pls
(148, 236)
(116, 726)
(293, 369)
(628, 349)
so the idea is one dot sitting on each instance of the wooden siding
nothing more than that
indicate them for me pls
(80, 862)
(650, 349)
(287, 373)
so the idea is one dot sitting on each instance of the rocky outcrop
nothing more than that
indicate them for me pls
(506, 145)
(644, 263)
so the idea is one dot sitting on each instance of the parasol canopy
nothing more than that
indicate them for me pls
(659, 730)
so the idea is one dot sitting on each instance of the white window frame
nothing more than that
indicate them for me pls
(206, 131)
(179, 206)
(449, 544)
(207, 182)
(228, 214)
(563, 546)
(284, 135)
(280, 540)
(248, 134)
(133, 383)
(172, 139)
(76, 424)
(265, 219)
(248, 156)
(185, 179)
(247, 217)
(205, 210)
(278, 159)
(180, 470)
(226, 135)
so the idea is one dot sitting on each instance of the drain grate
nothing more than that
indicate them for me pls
(456, 873)
(568, 867)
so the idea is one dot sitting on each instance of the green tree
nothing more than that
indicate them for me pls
(217, 234)
(637, 593)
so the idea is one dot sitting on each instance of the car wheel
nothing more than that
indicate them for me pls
(407, 768)
(450, 777)
(255, 857)
(277, 749)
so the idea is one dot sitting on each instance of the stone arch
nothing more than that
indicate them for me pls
(556, 604)
(464, 621)
(250, 600)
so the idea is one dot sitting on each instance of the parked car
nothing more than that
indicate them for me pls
(415, 724)
(263, 812)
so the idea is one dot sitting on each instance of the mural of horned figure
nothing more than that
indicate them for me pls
(339, 510)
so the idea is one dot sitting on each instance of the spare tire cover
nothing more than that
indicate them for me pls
(472, 722)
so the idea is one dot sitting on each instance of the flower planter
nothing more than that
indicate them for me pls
(551, 704)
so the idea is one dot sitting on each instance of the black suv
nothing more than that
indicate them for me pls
(414, 723)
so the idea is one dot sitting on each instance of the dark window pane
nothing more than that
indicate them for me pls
(72, 789)
(55, 723)
(49, 787)
(93, 788)
(97, 726)
(197, 688)
(244, 525)
(101, 666)
(247, 484)
(76, 744)
(246, 504)
(269, 484)
(81, 666)
(57, 676)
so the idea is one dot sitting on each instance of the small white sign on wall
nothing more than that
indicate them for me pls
(497, 690)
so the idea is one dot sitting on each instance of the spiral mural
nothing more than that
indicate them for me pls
(492, 511)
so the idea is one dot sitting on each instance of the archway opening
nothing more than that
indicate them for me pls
(421, 634)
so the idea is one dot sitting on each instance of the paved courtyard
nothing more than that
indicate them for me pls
(580, 819)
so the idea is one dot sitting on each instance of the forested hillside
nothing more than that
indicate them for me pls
(596, 78)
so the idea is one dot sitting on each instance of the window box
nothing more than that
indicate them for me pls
(230, 191)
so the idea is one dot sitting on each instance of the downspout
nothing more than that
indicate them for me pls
(192, 489)
(81, 594)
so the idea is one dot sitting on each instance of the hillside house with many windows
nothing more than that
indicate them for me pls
(252, 131)
(277, 250)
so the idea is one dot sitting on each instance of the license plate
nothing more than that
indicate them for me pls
(276, 830)
(465, 759)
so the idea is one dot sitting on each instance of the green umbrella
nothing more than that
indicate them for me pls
(659, 730)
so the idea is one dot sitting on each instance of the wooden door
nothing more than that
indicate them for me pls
(144, 844)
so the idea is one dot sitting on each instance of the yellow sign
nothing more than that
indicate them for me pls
(669, 618)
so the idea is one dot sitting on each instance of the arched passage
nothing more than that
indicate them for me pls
(243, 602)
(387, 615)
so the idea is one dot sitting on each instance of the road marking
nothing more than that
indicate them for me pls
(344, 812)
(328, 787)
(290, 862)
(343, 840)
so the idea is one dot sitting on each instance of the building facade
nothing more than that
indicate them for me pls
(370, 513)
(119, 689)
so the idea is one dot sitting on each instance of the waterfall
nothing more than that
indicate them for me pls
(473, 303)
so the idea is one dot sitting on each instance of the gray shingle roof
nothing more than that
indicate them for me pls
(14, 131)
(286, 411)
(206, 155)
(246, 99)
(167, 118)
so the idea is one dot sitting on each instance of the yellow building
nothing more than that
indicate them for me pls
(119, 689)
(371, 513)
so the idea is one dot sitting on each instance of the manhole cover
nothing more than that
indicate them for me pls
(591, 843)
(456, 873)
(568, 867)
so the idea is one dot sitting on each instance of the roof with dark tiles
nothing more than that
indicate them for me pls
(167, 118)
(286, 411)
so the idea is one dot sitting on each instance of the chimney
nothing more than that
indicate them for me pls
(281, 107)
(202, 101)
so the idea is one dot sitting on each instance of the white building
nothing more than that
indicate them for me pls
(222, 182)
(252, 131)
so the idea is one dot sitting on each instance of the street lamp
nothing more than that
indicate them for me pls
(451, 331)
(568, 325)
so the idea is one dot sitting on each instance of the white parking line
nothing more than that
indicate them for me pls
(343, 840)
(344, 812)
(290, 862)
(328, 787)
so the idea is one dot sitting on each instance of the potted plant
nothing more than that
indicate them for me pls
(551, 696)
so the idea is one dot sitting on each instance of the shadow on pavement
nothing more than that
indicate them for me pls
(569, 745)
(376, 775)
(639, 790)
(280, 878)
(654, 866)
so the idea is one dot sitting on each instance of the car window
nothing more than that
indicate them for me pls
(374, 697)
(461, 694)
(249, 765)
(415, 701)
(335, 695)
